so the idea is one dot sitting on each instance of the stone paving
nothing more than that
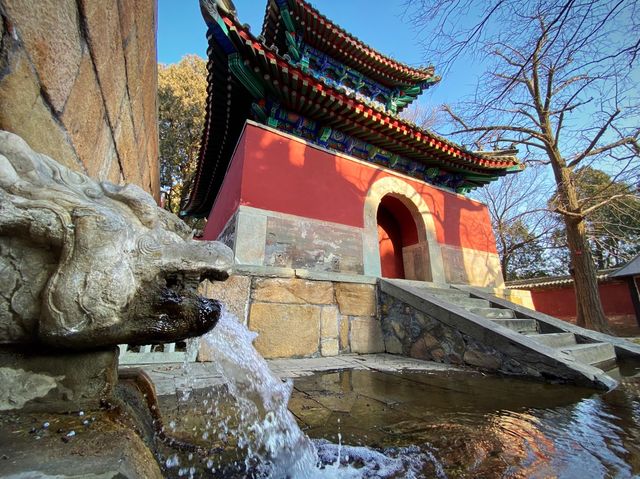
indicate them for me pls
(169, 378)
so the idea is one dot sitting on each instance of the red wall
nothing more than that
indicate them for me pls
(288, 176)
(616, 300)
(228, 199)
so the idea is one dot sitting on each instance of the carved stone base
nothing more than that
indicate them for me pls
(54, 381)
(71, 446)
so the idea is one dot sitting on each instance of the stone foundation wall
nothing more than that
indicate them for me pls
(297, 317)
(410, 332)
(78, 82)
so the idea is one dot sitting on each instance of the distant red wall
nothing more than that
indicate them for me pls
(288, 176)
(616, 300)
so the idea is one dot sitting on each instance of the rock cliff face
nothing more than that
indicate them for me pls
(78, 82)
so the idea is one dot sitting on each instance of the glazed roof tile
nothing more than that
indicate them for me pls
(323, 34)
(546, 282)
(229, 104)
(418, 142)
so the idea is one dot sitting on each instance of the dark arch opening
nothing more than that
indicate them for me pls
(396, 230)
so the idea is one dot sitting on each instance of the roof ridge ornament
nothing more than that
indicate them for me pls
(209, 9)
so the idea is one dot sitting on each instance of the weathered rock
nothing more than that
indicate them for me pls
(49, 29)
(392, 345)
(115, 174)
(344, 335)
(439, 355)
(419, 350)
(20, 386)
(485, 360)
(285, 330)
(86, 122)
(356, 299)
(397, 328)
(117, 268)
(430, 341)
(293, 291)
(329, 347)
(102, 22)
(54, 382)
(61, 63)
(106, 448)
(150, 93)
(127, 147)
(366, 336)
(19, 86)
(329, 318)
(133, 55)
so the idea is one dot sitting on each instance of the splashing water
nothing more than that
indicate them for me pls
(274, 444)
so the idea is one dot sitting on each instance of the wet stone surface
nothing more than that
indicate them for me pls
(470, 425)
(78, 444)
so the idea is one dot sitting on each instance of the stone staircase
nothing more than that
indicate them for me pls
(599, 354)
(469, 325)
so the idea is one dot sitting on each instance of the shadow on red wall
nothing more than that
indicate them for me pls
(274, 172)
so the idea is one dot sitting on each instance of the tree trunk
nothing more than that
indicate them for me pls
(505, 265)
(588, 305)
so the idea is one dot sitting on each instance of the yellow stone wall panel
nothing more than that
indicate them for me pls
(285, 330)
(356, 299)
(294, 291)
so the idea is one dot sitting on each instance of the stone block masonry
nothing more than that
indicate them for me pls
(78, 82)
(300, 317)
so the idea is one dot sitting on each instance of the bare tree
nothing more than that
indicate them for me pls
(424, 116)
(520, 220)
(559, 84)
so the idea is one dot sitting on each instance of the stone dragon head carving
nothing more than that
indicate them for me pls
(87, 264)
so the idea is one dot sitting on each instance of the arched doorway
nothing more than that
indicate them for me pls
(396, 231)
(397, 218)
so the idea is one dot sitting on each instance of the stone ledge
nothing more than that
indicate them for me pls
(278, 272)
(335, 277)
(266, 271)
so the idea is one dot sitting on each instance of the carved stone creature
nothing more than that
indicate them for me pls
(86, 264)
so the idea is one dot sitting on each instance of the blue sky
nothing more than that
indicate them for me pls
(379, 23)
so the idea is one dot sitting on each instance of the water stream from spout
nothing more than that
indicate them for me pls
(263, 426)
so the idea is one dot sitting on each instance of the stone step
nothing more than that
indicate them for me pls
(555, 340)
(445, 293)
(420, 284)
(525, 326)
(493, 313)
(466, 302)
(601, 355)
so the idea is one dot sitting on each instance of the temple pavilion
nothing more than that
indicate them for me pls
(306, 162)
